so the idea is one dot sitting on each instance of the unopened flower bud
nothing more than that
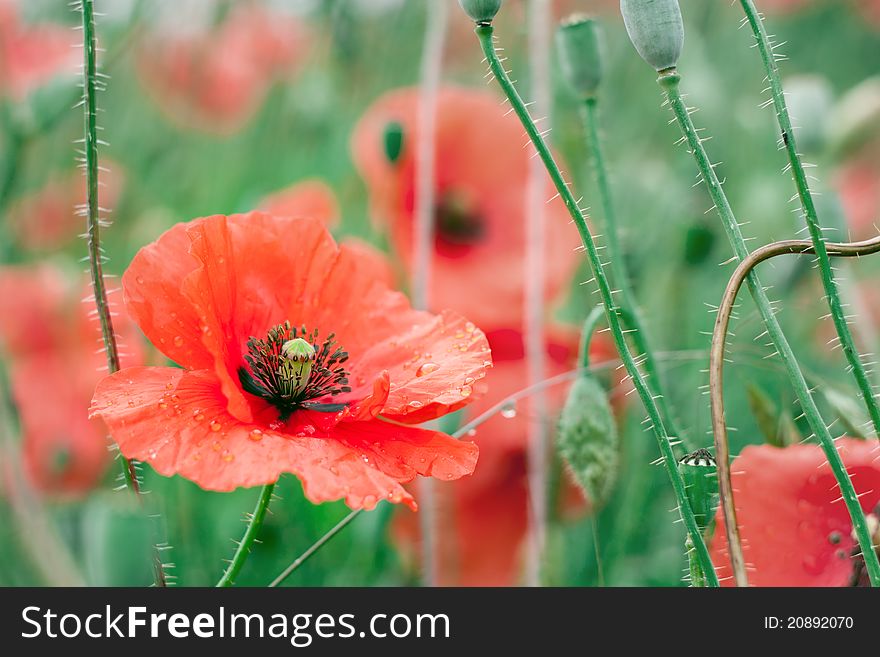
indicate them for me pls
(656, 30)
(587, 440)
(580, 54)
(481, 11)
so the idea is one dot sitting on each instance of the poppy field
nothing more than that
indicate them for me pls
(573, 293)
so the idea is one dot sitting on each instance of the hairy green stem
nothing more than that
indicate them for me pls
(317, 545)
(619, 273)
(93, 210)
(669, 81)
(250, 535)
(612, 310)
(856, 365)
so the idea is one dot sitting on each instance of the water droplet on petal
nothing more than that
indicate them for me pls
(229, 458)
(140, 280)
(465, 391)
(216, 446)
(178, 341)
(215, 426)
(415, 404)
(508, 411)
(427, 368)
(255, 435)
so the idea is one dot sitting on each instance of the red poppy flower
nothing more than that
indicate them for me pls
(47, 219)
(308, 198)
(481, 173)
(225, 298)
(31, 55)
(858, 183)
(795, 528)
(215, 81)
(51, 345)
(485, 517)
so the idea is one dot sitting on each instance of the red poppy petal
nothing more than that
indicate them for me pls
(177, 421)
(151, 285)
(795, 528)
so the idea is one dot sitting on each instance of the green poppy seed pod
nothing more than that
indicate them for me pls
(656, 30)
(587, 440)
(481, 11)
(392, 140)
(700, 475)
(578, 42)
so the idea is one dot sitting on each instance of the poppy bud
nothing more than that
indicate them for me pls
(481, 11)
(655, 29)
(700, 475)
(393, 141)
(578, 44)
(587, 440)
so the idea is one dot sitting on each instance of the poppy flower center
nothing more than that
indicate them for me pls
(458, 226)
(290, 369)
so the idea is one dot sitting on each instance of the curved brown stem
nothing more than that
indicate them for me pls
(716, 371)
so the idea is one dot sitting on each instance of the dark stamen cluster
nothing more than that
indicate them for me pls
(265, 375)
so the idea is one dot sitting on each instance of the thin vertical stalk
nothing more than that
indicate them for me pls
(92, 211)
(789, 141)
(534, 274)
(612, 310)
(423, 255)
(250, 535)
(669, 81)
(619, 274)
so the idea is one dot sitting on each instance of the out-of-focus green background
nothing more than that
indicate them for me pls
(358, 51)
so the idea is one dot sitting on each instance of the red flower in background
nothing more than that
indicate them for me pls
(481, 174)
(47, 220)
(485, 517)
(224, 297)
(858, 182)
(308, 198)
(51, 343)
(216, 81)
(795, 528)
(32, 55)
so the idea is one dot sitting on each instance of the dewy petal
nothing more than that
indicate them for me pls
(153, 297)
(789, 510)
(178, 422)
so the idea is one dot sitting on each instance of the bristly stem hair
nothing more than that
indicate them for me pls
(92, 211)
(485, 32)
(789, 142)
(669, 80)
(617, 266)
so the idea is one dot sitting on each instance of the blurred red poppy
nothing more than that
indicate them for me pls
(481, 172)
(215, 81)
(32, 55)
(236, 301)
(795, 528)
(486, 516)
(307, 198)
(858, 182)
(47, 219)
(51, 344)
